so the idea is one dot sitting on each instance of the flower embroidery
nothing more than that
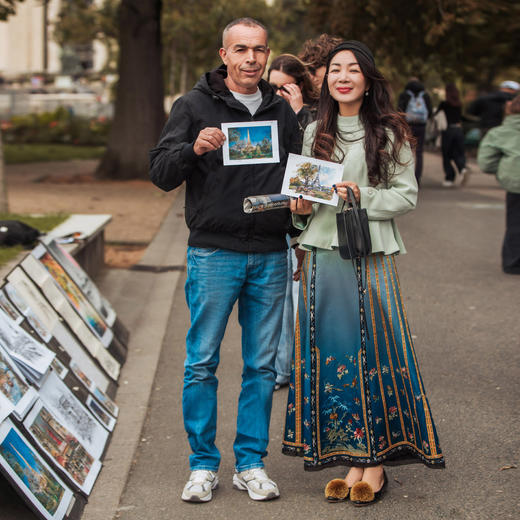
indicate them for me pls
(359, 433)
(306, 423)
(290, 408)
(328, 388)
(355, 416)
(372, 373)
(382, 442)
(426, 446)
(378, 420)
(329, 360)
(342, 370)
(392, 412)
(389, 390)
(385, 369)
(306, 400)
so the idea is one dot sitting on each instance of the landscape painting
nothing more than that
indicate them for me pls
(254, 142)
(311, 178)
(43, 489)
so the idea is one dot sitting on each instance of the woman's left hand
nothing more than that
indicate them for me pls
(293, 95)
(341, 189)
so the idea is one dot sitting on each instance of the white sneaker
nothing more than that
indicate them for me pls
(200, 486)
(464, 176)
(448, 184)
(256, 482)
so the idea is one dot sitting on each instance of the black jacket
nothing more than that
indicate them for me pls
(490, 108)
(416, 87)
(214, 192)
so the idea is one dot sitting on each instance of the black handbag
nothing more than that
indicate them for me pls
(353, 232)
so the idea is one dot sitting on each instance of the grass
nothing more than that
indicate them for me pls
(27, 153)
(42, 222)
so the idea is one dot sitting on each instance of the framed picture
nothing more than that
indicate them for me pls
(75, 296)
(82, 280)
(17, 395)
(33, 358)
(46, 494)
(107, 403)
(62, 447)
(100, 414)
(26, 289)
(9, 308)
(72, 414)
(253, 142)
(312, 179)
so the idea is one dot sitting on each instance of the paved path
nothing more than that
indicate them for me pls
(464, 313)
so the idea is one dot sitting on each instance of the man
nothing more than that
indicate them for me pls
(231, 255)
(314, 54)
(415, 102)
(489, 108)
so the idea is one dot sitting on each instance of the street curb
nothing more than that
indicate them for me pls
(143, 301)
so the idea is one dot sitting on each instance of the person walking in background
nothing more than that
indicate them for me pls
(356, 396)
(499, 153)
(452, 139)
(416, 103)
(291, 80)
(489, 108)
(314, 54)
(231, 256)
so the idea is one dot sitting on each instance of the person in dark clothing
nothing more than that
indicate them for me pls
(232, 256)
(452, 139)
(414, 88)
(489, 108)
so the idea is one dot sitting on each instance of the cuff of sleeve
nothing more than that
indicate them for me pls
(188, 154)
(300, 221)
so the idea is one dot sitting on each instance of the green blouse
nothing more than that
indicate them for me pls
(382, 203)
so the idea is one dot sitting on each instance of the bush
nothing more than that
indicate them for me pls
(59, 126)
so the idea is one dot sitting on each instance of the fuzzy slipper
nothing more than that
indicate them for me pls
(336, 490)
(362, 493)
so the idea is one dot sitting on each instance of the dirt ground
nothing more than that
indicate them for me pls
(137, 207)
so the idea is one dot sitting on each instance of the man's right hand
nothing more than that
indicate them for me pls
(208, 139)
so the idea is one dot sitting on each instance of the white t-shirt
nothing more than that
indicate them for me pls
(251, 101)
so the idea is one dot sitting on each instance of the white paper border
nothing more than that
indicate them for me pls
(290, 171)
(274, 140)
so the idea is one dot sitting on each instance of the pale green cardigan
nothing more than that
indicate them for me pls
(382, 203)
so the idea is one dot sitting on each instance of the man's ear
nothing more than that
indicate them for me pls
(223, 55)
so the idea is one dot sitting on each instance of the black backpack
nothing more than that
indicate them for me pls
(14, 232)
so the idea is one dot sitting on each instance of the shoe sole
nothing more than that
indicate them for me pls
(196, 498)
(242, 486)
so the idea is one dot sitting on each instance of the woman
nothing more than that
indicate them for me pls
(291, 80)
(499, 153)
(452, 139)
(357, 399)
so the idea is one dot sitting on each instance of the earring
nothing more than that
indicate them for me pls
(366, 92)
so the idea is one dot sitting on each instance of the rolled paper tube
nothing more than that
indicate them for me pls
(258, 203)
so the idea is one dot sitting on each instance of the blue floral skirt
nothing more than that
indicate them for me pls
(356, 396)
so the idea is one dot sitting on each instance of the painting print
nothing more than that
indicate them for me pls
(16, 394)
(81, 279)
(311, 178)
(74, 295)
(63, 447)
(64, 405)
(254, 142)
(44, 490)
(101, 415)
(9, 308)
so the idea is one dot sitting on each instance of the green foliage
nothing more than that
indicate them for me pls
(36, 152)
(7, 8)
(60, 126)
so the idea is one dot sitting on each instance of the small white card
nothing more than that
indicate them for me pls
(311, 178)
(253, 142)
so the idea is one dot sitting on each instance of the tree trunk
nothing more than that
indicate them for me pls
(139, 113)
(184, 75)
(3, 184)
(173, 64)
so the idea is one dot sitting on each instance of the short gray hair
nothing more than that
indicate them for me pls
(249, 22)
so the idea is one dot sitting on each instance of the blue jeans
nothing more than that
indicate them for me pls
(217, 278)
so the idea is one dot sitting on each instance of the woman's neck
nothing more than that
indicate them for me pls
(349, 109)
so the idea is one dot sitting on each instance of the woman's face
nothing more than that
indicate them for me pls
(278, 79)
(346, 82)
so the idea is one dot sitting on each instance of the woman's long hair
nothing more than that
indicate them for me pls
(452, 95)
(386, 131)
(293, 66)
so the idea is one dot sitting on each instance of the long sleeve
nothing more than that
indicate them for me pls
(489, 154)
(173, 157)
(400, 196)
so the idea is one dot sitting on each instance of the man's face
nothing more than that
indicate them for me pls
(245, 54)
(317, 77)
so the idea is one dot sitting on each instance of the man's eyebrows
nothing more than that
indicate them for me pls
(240, 46)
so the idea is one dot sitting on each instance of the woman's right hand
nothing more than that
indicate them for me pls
(301, 206)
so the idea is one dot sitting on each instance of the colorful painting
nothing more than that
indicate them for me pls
(37, 481)
(254, 142)
(63, 447)
(311, 178)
